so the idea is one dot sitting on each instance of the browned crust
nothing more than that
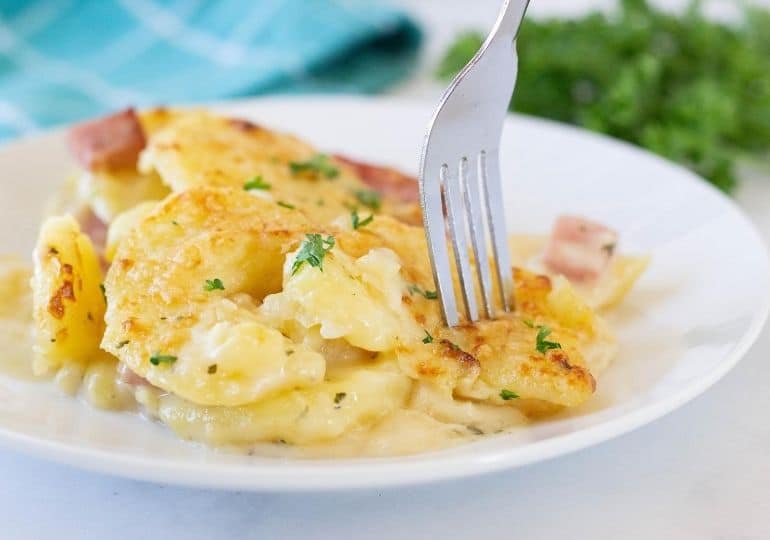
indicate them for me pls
(56, 303)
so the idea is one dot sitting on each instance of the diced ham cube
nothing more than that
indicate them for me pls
(93, 227)
(112, 142)
(126, 376)
(579, 249)
(390, 183)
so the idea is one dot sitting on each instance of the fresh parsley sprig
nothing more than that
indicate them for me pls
(312, 251)
(540, 342)
(508, 395)
(256, 183)
(687, 87)
(213, 285)
(357, 222)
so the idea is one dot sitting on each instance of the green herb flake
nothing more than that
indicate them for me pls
(213, 285)
(339, 396)
(428, 338)
(370, 199)
(122, 344)
(318, 165)
(256, 183)
(430, 295)
(358, 222)
(312, 251)
(158, 359)
(528, 322)
(508, 395)
(104, 292)
(541, 344)
(175, 223)
(212, 369)
(286, 205)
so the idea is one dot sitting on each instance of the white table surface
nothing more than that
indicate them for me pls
(702, 472)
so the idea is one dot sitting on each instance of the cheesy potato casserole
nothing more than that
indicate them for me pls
(251, 292)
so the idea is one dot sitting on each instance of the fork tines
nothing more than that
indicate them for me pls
(471, 193)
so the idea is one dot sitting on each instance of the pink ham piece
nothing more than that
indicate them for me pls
(579, 249)
(126, 376)
(93, 227)
(112, 142)
(390, 183)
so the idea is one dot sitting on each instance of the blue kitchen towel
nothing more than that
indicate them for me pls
(64, 60)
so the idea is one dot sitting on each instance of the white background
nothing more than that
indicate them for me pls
(701, 473)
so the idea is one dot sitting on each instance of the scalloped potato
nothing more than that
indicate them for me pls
(262, 295)
(68, 305)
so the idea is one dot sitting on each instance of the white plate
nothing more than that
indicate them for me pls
(690, 319)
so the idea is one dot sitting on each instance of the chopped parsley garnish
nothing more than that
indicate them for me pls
(370, 199)
(286, 205)
(319, 165)
(312, 251)
(358, 222)
(541, 344)
(104, 292)
(428, 338)
(430, 295)
(212, 369)
(158, 359)
(339, 396)
(122, 344)
(175, 223)
(256, 183)
(214, 285)
(507, 395)
(528, 322)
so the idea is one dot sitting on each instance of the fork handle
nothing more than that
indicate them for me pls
(509, 19)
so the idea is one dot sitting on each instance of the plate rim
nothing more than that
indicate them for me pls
(331, 475)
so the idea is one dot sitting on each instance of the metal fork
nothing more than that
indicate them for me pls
(460, 170)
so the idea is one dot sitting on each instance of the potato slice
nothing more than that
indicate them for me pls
(68, 305)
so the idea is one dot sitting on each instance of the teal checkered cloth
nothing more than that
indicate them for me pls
(64, 60)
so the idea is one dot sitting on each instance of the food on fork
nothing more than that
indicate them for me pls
(249, 291)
